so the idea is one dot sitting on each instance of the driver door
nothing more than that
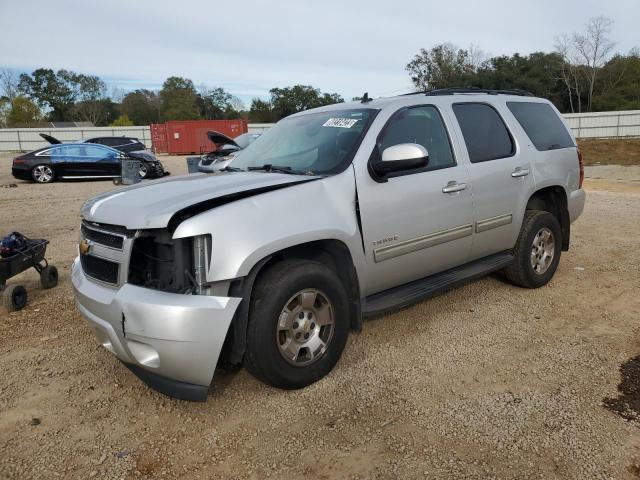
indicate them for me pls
(415, 224)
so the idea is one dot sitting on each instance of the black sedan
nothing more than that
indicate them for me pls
(79, 160)
(124, 144)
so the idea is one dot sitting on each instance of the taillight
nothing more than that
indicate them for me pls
(19, 161)
(581, 163)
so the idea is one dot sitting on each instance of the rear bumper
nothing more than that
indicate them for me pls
(171, 341)
(575, 204)
(21, 173)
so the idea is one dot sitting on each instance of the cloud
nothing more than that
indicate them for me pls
(249, 47)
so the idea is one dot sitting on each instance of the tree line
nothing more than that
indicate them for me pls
(64, 95)
(582, 74)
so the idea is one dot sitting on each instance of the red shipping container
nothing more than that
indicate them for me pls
(179, 137)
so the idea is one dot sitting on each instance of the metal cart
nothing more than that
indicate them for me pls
(14, 297)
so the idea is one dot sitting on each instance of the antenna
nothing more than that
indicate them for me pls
(365, 98)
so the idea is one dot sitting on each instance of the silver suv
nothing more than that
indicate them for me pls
(333, 215)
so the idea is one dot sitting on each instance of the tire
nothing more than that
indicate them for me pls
(534, 265)
(43, 174)
(292, 284)
(49, 277)
(14, 298)
(144, 170)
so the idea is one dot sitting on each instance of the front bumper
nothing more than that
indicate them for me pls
(171, 341)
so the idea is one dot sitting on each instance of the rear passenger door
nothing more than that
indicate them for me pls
(500, 174)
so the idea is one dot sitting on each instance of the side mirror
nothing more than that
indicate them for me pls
(404, 156)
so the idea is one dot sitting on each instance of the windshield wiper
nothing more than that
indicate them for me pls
(229, 168)
(280, 169)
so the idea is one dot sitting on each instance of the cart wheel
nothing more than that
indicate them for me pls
(14, 298)
(49, 277)
(117, 181)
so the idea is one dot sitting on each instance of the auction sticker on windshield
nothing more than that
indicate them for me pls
(340, 122)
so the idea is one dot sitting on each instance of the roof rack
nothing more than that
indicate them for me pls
(454, 90)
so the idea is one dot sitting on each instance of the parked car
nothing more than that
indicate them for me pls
(332, 215)
(226, 151)
(80, 160)
(123, 144)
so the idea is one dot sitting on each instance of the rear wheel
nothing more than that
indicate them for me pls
(537, 250)
(42, 174)
(14, 298)
(298, 324)
(49, 277)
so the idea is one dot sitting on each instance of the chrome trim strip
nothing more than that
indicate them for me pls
(419, 243)
(90, 176)
(493, 222)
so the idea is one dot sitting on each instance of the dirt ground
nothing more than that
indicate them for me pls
(605, 151)
(486, 381)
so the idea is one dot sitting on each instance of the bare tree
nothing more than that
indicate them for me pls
(476, 56)
(569, 71)
(9, 81)
(593, 48)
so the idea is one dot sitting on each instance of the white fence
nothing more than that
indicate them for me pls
(605, 124)
(583, 125)
(26, 139)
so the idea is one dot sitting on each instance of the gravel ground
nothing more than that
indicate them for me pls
(486, 381)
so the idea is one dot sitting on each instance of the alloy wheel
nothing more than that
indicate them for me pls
(42, 174)
(305, 327)
(542, 250)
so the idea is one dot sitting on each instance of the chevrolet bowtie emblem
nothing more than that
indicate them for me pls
(84, 247)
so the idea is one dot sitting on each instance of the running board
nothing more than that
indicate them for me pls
(413, 292)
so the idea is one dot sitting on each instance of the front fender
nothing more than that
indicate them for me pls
(248, 230)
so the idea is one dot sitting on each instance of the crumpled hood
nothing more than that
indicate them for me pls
(152, 204)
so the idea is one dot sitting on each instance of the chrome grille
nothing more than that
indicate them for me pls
(100, 269)
(106, 252)
(102, 237)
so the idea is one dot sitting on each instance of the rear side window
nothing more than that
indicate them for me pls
(542, 125)
(484, 132)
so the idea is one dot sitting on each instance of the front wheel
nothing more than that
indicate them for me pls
(537, 251)
(42, 174)
(298, 324)
(144, 170)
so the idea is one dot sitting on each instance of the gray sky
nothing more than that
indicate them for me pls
(251, 46)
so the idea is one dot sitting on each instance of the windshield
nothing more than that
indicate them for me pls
(322, 143)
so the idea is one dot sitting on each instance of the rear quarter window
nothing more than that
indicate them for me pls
(542, 125)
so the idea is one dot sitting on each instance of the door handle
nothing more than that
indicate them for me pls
(453, 187)
(520, 172)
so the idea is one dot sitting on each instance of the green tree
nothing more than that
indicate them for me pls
(536, 73)
(442, 66)
(618, 86)
(179, 99)
(58, 92)
(290, 100)
(122, 121)
(213, 103)
(5, 108)
(23, 112)
(142, 106)
(260, 111)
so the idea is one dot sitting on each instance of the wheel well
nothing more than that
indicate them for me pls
(554, 201)
(332, 253)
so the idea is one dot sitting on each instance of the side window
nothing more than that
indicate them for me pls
(98, 154)
(542, 125)
(424, 126)
(484, 132)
